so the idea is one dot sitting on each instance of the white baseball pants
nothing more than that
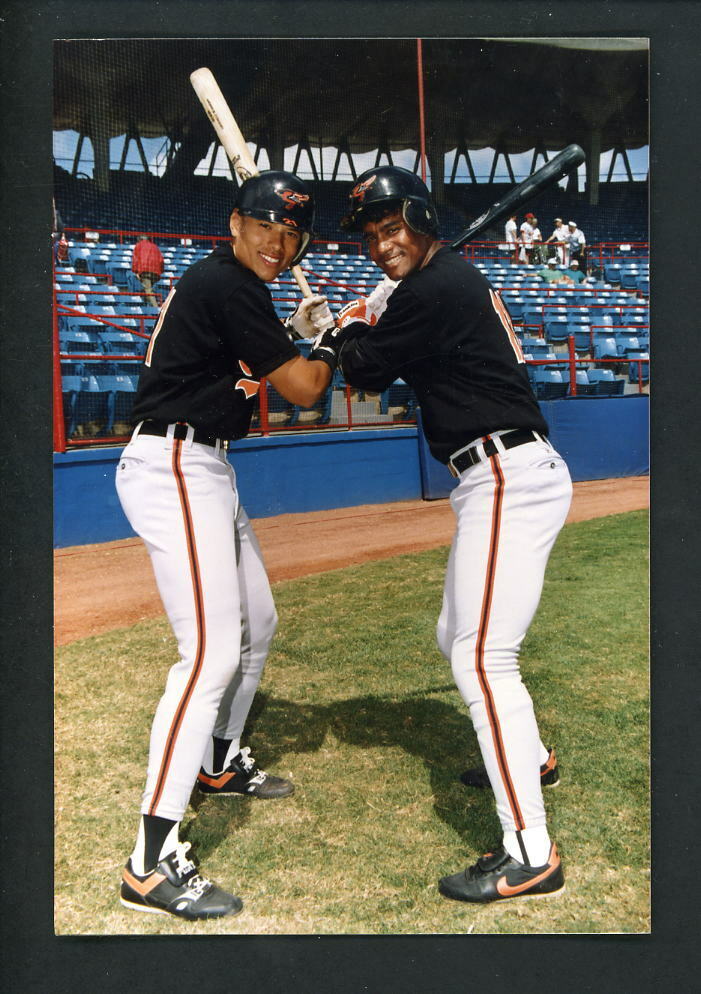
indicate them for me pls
(509, 511)
(181, 498)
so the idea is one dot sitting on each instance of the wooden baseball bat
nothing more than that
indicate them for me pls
(564, 162)
(229, 134)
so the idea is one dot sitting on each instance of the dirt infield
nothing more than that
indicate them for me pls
(101, 587)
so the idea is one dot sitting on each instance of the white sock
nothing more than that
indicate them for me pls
(171, 841)
(543, 754)
(535, 841)
(233, 750)
(137, 857)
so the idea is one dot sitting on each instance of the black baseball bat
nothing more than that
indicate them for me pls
(563, 163)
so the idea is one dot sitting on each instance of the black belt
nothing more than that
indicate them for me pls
(462, 460)
(180, 430)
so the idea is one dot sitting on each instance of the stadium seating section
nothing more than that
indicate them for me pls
(104, 326)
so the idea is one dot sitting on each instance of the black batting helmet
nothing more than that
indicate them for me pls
(387, 184)
(280, 197)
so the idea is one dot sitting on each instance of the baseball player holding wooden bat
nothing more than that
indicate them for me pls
(441, 327)
(217, 335)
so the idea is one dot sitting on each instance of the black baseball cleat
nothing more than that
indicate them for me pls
(498, 876)
(242, 776)
(176, 888)
(549, 774)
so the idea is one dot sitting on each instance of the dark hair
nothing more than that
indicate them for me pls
(376, 212)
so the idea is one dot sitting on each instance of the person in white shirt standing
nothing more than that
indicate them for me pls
(511, 235)
(577, 245)
(537, 257)
(559, 238)
(526, 252)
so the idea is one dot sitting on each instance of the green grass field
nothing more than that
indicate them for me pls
(359, 708)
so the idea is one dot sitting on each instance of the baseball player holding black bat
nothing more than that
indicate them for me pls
(438, 324)
(216, 336)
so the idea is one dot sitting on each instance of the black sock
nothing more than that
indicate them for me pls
(155, 831)
(221, 747)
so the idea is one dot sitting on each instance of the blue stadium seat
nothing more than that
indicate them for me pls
(639, 371)
(89, 407)
(579, 315)
(549, 383)
(629, 278)
(612, 272)
(556, 329)
(533, 345)
(514, 305)
(532, 315)
(639, 314)
(119, 396)
(121, 342)
(78, 341)
(627, 343)
(605, 348)
(71, 385)
(606, 383)
(585, 388)
(582, 336)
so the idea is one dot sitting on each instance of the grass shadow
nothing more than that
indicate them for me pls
(435, 731)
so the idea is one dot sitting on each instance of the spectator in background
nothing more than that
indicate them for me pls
(58, 238)
(60, 249)
(577, 245)
(526, 253)
(147, 263)
(559, 239)
(551, 274)
(538, 250)
(575, 274)
(511, 235)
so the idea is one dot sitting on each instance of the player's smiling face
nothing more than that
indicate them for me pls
(264, 247)
(395, 247)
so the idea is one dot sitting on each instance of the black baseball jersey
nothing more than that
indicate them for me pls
(447, 333)
(217, 334)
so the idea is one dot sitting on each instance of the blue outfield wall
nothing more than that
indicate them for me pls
(279, 475)
(599, 438)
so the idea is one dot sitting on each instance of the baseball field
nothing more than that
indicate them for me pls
(358, 707)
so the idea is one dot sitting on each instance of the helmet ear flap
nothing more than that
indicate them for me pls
(421, 217)
(303, 248)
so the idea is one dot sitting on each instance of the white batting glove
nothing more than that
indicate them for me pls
(376, 302)
(311, 317)
(368, 309)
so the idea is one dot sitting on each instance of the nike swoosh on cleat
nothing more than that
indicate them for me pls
(143, 887)
(219, 781)
(506, 890)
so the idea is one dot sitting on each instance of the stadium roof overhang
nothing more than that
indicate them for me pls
(361, 94)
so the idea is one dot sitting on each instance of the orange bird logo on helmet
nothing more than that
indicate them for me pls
(293, 199)
(360, 189)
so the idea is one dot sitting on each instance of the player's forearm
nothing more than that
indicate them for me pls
(301, 381)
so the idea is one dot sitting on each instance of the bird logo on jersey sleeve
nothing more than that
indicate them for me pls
(249, 386)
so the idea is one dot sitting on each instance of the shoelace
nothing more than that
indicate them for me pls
(196, 883)
(259, 778)
(249, 764)
(246, 760)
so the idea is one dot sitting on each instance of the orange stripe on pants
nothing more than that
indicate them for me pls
(201, 634)
(482, 639)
